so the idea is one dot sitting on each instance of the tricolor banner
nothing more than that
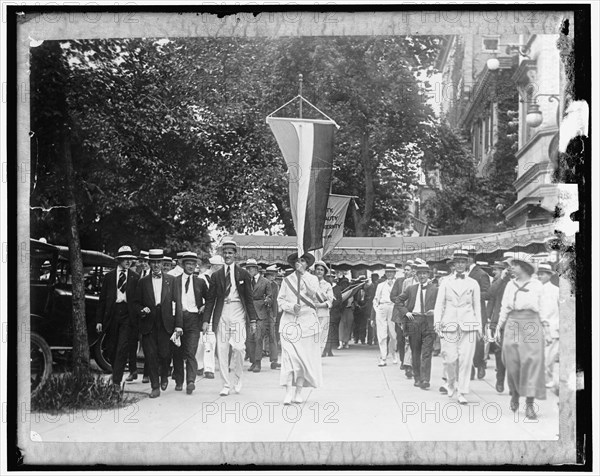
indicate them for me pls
(307, 147)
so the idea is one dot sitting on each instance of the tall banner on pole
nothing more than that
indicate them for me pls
(333, 230)
(307, 147)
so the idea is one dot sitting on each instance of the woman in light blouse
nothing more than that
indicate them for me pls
(523, 340)
(324, 305)
(299, 329)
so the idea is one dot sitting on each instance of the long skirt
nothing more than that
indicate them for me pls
(323, 330)
(523, 354)
(346, 324)
(301, 358)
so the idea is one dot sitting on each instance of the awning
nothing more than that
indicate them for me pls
(376, 252)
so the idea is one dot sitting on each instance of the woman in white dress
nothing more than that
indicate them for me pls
(323, 305)
(299, 329)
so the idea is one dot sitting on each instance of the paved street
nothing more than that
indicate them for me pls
(359, 401)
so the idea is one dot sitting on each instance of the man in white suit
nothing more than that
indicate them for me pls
(457, 319)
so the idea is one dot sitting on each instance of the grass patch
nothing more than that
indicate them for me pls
(73, 391)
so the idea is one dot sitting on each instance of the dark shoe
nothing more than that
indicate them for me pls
(514, 405)
(257, 368)
(481, 373)
(200, 371)
(277, 365)
(209, 375)
(499, 387)
(251, 368)
(330, 354)
(324, 354)
(443, 390)
(425, 385)
(190, 388)
(155, 393)
(146, 379)
(164, 383)
(417, 383)
(409, 373)
(117, 387)
(435, 353)
(402, 367)
(131, 377)
(472, 373)
(530, 411)
(179, 387)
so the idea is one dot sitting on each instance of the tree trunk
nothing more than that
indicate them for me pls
(81, 350)
(286, 216)
(361, 222)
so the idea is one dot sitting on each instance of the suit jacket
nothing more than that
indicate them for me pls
(216, 295)
(145, 298)
(494, 304)
(338, 306)
(108, 297)
(483, 279)
(274, 309)
(458, 304)
(408, 300)
(262, 295)
(200, 293)
(395, 294)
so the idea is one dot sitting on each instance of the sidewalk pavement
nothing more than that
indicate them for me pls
(358, 401)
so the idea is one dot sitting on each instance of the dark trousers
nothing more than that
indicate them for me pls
(479, 356)
(254, 342)
(273, 346)
(371, 330)
(420, 338)
(157, 352)
(186, 353)
(360, 325)
(496, 349)
(118, 336)
(401, 340)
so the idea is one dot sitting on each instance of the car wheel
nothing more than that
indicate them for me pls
(40, 362)
(100, 355)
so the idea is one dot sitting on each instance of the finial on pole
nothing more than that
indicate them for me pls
(300, 77)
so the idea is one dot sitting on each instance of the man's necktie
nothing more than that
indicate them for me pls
(422, 301)
(187, 283)
(122, 281)
(227, 282)
(156, 276)
(460, 275)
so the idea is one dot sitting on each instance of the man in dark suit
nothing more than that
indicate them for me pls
(270, 275)
(116, 311)
(483, 279)
(155, 300)
(190, 291)
(230, 304)
(417, 303)
(262, 295)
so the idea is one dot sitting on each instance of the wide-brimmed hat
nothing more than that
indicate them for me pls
(216, 260)
(460, 254)
(251, 263)
(229, 244)
(273, 269)
(323, 265)
(308, 257)
(156, 255)
(125, 252)
(187, 256)
(545, 268)
(521, 259)
(143, 255)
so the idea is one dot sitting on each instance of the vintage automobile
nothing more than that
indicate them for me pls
(51, 306)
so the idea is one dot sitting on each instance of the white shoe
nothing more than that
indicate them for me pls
(461, 399)
(288, 396)
(238, 386)
(395, 358)
(451, 390)
(381, 363)
(298, 397)
(224, 392)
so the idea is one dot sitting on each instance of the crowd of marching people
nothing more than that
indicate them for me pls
(200, 315)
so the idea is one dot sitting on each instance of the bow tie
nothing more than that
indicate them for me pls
(156, 276)
(460, 275)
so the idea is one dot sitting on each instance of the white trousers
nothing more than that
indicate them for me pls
(206, 351)
(231, 332)
(385, 328)
(458, 347)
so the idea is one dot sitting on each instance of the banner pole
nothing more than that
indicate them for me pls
(300, 77)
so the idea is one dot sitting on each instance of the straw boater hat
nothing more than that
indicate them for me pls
(125, 253)
(323, 265)
(421, 266)
(273, 269)
(156, 255)
(167, 259)
(460, 254)
(216, 260)
(470, 249)
(498, 264)
(309, 258)
(143, 255)
(545, 268)
(229, 244)
(391, 267)
(187, 256)
(251, 263)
